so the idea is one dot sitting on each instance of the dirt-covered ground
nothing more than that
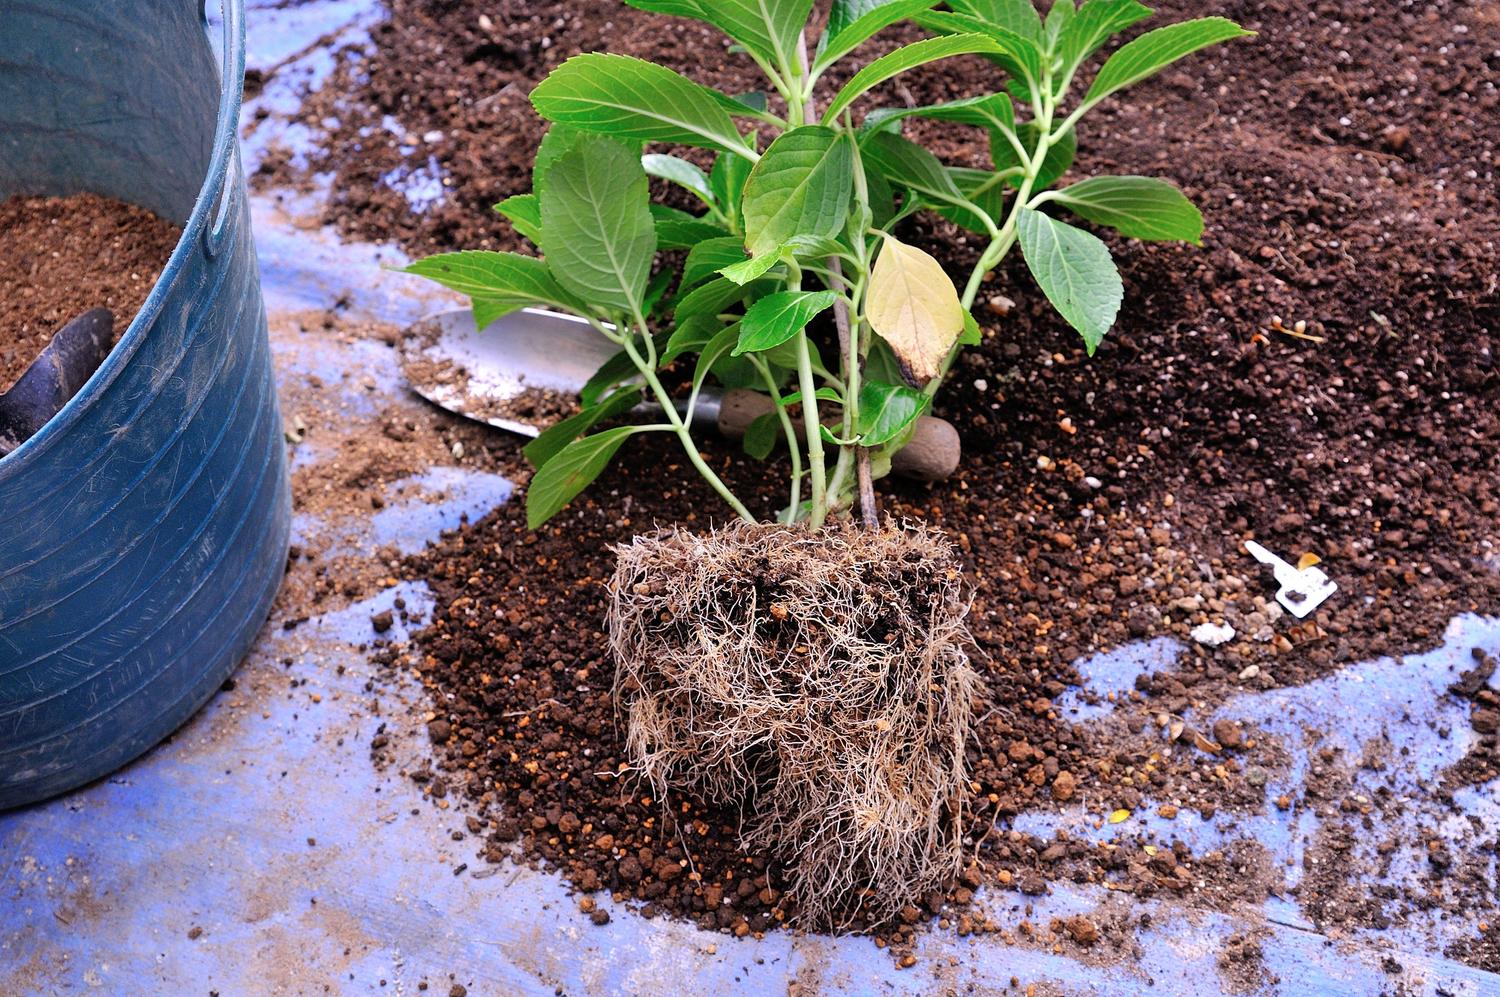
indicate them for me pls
(1344, 159)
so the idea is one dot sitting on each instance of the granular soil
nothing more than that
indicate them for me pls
(1345, 162)
(61, 256)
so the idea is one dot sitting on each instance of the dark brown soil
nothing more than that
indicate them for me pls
(1344, 159)
(61, 256)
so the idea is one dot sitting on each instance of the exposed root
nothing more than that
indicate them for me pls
(820, 681)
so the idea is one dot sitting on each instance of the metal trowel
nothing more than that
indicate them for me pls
(55, 376)
(482, 373)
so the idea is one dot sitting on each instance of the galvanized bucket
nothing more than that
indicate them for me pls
(144, 530)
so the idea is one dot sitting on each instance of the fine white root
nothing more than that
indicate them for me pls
(819, 681)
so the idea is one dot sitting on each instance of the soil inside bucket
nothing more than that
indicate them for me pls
(61, 256)
(1344, 159)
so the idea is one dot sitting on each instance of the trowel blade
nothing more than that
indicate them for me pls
(477, 372)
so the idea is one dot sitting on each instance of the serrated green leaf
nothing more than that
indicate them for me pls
(1140, 207)
(786, 356)
(574, 468)
(990, 111)
(906, 164)
(689, 337)
(622, 96)
(886, 410)
(1018, 55)
(505, 282)
(1095, 23)
(1155, 50)
(677, 229)
(1019, 16)
(761, 435)
(597, 231)
(778, 317)
(822, 395)
(714, 350)
(727, 178)
(982, 187)
(715, 296)
(709, 257)
(524, 212)
(907, 57)
(851, 23)
(745, 271)
(556, 437)
(971, 336)
(1059, 155)
(800, 188)
(556, 141)
(1074, 270)
(772, 29)
(681, 172)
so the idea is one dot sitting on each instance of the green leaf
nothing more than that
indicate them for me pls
(851, 23)
(786, 357)
(656, 290)
(971, 336)
(906, 164)
(1019, 16)
(745, 271)
(761, 435)
(727, 178)
(990, 111)
(715, 296)
(772, 29)
(801, 188)
(1059, 155)
(983, 188)
(630, 98)
(524, 212)
(904, 58)
(1140, 207)
(709, 257)
(556, 141)
(822, 395)
(714, 350)
(506, 282)
(778, 317)
(679, 230)
(691, 336)
(1095, 23)
(574, 468)
(1018, 54)
(1075, 271)
(597, 231)
(556, 437)
(681, 172)
(886, 410)
(1153, 51)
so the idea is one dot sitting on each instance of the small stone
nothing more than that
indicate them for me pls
(1064, 786)
(1082, 930)
(1212, 634)
(195, 933)
(382, 621)
(1485, 721)
(458, 990)
(1249, 673)
(600, 917)
(1228, 733)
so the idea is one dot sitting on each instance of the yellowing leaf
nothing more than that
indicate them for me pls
(914, 307)
(1118, 816)
(1307, 561)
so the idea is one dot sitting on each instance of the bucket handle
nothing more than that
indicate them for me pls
(226, 153)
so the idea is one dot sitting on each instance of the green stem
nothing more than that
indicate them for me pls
(788, 429)
(813, 427)
(684, 435)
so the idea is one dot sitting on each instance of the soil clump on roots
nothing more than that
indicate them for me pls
(821, 682)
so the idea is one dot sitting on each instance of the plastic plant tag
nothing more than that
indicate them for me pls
(1302, 589)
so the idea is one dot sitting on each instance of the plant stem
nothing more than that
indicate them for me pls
(814, 429)
(793, 444)
(684, 434)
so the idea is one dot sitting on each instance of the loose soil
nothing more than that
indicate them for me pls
(61, 256)
(1345, 161)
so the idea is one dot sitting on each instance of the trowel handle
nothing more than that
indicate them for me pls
(931, 455)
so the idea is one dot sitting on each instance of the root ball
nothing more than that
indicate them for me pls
(820, 682)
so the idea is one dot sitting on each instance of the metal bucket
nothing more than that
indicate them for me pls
(144, 529)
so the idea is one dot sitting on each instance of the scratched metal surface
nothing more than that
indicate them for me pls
(263, 831)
